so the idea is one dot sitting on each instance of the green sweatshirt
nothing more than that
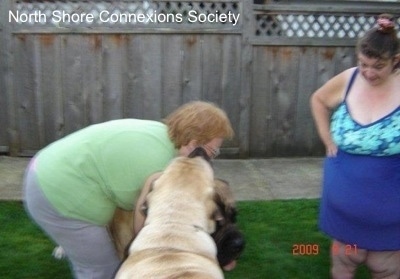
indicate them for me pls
(88, 173)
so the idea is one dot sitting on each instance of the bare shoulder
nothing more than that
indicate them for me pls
(333, 91)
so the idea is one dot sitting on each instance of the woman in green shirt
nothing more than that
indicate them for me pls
(73, 186)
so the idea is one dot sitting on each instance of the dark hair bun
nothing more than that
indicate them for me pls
(386, 23)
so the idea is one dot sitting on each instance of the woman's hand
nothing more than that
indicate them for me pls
(331, 149)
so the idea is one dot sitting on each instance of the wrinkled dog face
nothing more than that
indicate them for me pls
(229, 240)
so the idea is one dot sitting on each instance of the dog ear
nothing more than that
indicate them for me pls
(217, 215)
(219, 212)
(225, 201)
(224, 194)
(144, 206)
(200, 152)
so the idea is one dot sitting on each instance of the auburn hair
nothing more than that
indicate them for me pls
(200, 121)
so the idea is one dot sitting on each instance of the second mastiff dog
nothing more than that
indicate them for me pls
(183, 209)
(229, 240)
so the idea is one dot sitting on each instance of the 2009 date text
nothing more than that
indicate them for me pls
(300, 249)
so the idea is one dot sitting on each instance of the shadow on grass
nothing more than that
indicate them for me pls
(272, 230)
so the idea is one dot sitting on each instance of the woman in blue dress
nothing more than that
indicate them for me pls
(357, 115)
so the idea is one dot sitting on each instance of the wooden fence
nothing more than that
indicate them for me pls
(68, 64)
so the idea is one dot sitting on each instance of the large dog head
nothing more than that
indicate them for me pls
(175, 240)
(229, 240)
(187, 184)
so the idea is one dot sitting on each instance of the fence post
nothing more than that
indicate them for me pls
(3, 104)
(246, 70)
(8, 78)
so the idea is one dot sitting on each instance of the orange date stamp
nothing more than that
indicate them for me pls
(313, 249)
(305, 249)
(347, 250)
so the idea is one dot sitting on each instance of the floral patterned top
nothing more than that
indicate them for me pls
(380, 138)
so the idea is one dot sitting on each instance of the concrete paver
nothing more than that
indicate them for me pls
(11, 174)
(251, 179)
(268, 179)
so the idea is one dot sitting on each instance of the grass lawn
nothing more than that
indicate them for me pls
(273, 230)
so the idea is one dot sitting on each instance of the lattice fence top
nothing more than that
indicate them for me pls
(125, 14)
(332, 26)
(211, 15)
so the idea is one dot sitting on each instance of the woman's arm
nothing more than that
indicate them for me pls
(323, 101)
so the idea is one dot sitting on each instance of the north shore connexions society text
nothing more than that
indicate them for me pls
(60, 16)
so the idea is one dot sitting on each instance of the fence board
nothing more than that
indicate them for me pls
(231, 82)
(3, 68)
(145, 70)
(172, 67)
(151, 69)
(114, 59)
(136, 88)
(284, 99)
(304, 136)
(92, 73)
(212, 68)
(51, 101)
(74, 106)
(55, 80)
(192, 68)
(25, 95)
(243, 134)
(283, 80)
(10, 131)
(261, 102)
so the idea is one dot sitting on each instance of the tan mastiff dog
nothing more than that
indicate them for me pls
(175, 241)
(229, 240)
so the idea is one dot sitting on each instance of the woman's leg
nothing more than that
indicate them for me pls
(88, 247)
(345, 262)
(384, 264)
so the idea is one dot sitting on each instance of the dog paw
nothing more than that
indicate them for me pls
(58, 253)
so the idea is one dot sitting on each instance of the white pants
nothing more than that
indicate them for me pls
(88, 247)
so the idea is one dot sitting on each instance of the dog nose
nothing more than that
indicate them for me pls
(238, 244)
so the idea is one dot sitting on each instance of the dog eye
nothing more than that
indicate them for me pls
(143, 209)
(221, 223)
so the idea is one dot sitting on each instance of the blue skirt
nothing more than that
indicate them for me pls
(360, 203)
